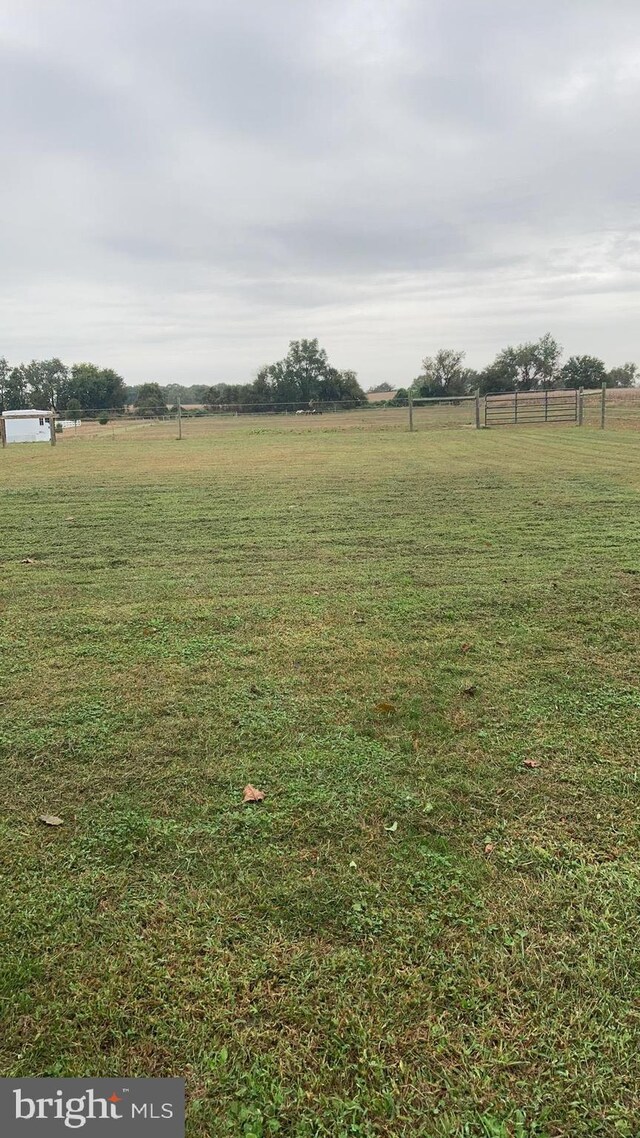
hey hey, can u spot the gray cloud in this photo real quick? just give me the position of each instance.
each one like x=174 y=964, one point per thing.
x=188 y=185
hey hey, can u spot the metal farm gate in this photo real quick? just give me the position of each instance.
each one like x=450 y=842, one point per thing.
x=533 y=407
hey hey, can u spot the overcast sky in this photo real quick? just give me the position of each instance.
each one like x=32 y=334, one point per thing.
x=186 y=185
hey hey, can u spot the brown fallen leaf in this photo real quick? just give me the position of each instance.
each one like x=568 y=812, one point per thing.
x=50 y=819
x=385 y=708
x=252 y=795
x=489 y=848
x=531 y=763
x=471 y=690
x=28 y=561
x=465 y=647
x=416 y=744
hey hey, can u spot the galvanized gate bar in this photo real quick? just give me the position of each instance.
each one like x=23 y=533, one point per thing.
x=530 y=407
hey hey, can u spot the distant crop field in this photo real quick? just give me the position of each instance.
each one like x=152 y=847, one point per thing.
x=423 y=649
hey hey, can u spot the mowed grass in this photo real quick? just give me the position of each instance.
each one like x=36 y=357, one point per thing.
x=416 y=934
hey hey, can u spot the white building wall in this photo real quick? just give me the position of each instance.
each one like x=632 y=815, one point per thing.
x=27 y=430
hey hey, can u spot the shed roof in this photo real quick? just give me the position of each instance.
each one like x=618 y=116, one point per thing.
x=27 y=413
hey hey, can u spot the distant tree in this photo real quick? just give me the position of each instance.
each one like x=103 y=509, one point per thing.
x=583 y=371
x=345 y=386
x=48 y=382
x=225 y=395
x=73 y=409
x=5 y=371
x=400 y=399
x=150 y=401
x=178 y=393
x=443 y=375
x=305 y=376
x=197 y=392
x=380 y=387
x=16 y=396
x=526 y=367
x=95 y=388
x=624 y=376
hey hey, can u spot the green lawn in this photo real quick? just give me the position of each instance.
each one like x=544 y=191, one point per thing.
x=416 y=934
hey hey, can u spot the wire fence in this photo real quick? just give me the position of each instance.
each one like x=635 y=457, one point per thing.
x=615 y=409
x=621 y=409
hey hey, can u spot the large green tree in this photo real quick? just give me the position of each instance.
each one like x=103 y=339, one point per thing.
x=230 y=395
x=5 y=372
x=624 y=376
x=526 y=367
x=306 y=376
x=16 y=394
x=583 y=371
x=95 y=388
x=444 y=375
x=48 y=383
x=150 y=401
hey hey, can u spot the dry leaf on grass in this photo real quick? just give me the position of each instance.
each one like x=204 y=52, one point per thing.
x=385 y=708
x=28 y=561
x=252 y=795
x=489 y=848
x=465 y=647
x=392 y=828
x=471 y=690
x=50 y=819
x=531 y=763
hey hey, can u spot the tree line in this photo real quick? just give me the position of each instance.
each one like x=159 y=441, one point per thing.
x=51 y=385
x=303 y=378
x=80 y=389
x=533 y=366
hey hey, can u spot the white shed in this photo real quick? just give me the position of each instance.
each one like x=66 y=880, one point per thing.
x=27 y=426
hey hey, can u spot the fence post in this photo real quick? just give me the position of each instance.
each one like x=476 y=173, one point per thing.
x=410 y=411
x=52 y=428
x=603 y=404
x=179 y=419
x=3 y=432
x=477 y=408
x=580 y=411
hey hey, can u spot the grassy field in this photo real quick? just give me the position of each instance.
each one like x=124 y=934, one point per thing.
x=423 y=649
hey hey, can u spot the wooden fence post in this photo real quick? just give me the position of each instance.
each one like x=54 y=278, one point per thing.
x=603 y=404
x=3 y=432
x=179 y=419
x=410 y=411
x=580 y=406
x=477 y=408
x=52 y=428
